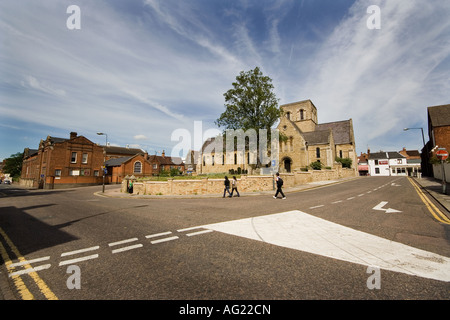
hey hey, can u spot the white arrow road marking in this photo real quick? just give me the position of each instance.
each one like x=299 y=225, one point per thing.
x=301 y=231
x=381 y=205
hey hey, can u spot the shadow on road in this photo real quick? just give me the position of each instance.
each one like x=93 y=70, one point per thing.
x=28 y=233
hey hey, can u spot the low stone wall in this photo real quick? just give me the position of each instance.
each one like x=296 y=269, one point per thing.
x=245 y=183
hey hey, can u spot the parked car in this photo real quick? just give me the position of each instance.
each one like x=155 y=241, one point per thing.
x=7 y=182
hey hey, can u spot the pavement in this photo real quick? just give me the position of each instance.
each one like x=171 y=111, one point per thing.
x=115 y=192
x=434 y=188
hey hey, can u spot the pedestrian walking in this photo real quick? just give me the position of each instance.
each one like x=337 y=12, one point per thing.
x=279 y=186
x=234 y=185
x=227 y=187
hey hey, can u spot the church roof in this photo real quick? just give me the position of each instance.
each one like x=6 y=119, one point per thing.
x=341 y=130
x=317 y=137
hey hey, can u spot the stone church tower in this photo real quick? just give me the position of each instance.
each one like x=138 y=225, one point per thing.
x=309 y=141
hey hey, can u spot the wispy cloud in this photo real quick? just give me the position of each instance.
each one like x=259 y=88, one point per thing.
x=381 y=78
x=32 y=82
x=144 y=68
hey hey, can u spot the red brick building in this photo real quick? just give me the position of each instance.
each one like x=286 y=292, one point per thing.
x=438 y=133
x=60 y=162
x=141 y=165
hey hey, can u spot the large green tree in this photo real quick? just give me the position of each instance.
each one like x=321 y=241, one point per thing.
x=250 y=104
x=13 y=165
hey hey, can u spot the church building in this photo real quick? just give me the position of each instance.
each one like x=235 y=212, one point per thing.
x=308 y=141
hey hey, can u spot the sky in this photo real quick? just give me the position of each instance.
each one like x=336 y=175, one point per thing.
x=139 y=70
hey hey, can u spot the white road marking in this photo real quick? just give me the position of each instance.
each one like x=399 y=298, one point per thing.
x=381 y=205
x=351 y=198
x=188 y=229
x=164 y=240
x=315 y=207
x=122 y=242
x=64 y=254
x=18 y=264
x=135 y=246
x=361 y=195
x=72 y=261
x=28 y=270
x=158 y=234
x=301 y=231
x=199 y=232
x=339 y=201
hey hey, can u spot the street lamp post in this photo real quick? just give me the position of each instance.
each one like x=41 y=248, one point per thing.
x=104 y=158
x=423 y=138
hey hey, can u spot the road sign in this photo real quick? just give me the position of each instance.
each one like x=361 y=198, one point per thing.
x=442 y=154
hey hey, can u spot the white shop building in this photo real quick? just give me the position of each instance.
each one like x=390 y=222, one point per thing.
x=390 y=164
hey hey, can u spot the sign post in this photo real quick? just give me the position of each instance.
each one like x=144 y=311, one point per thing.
x=442 y=155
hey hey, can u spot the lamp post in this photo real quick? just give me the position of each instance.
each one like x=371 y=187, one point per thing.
x=423 y=138
x=104 y=158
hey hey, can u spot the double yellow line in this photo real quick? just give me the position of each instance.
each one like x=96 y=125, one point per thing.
x=24 y=293
x=437 y=214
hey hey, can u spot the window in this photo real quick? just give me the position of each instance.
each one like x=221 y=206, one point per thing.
x=137 y=167
x=74 y=172
x=377 y=170
x=96 y=173
x=73 y=159
x=85 y=158
x=317 y=152
x=288 y=115
x=155 y=166
x=57 y=173
x=302 y=114
x=340 y=153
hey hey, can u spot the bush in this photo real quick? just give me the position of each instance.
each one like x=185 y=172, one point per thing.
x=316 y=165
x=346 y=162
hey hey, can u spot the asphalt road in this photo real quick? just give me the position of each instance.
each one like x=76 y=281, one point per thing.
x=86 y=247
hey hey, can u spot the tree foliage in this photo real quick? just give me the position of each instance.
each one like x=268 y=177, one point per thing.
x=251 y=103
x=13 y=165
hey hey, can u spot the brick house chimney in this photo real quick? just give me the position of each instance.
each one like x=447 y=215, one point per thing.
x=73 y=135
x=163 y=153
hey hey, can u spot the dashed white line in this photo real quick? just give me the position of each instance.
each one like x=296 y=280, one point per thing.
x=18 y=264
x=122 y=242
x=164 y=240
x=339 y=201
x=135 y=246
x=72 y=261
x=315 y=207
x=198 y=232
x=158 y=234
x=188 y=229
x=79 y=251
x=361 y=195
x=351 y=198
x=28 y=270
